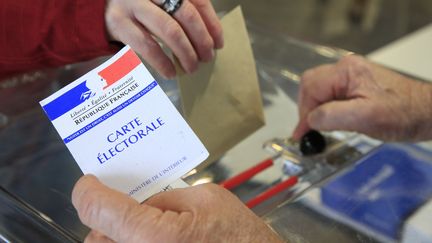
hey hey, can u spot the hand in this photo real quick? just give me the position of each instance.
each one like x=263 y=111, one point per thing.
x=192 y=33
x=205 y=213
x=356 y=95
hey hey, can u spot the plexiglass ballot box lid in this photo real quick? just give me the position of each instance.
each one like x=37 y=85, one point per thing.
x=37 y=173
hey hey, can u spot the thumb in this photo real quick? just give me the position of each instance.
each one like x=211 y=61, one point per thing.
x=110 y=212
x=301 y=128
x=349 y=115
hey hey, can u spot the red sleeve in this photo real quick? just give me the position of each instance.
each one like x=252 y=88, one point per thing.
x=48 y=33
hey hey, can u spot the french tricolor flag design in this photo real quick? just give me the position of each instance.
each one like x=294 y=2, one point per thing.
x=84 y=90
x=122 y=66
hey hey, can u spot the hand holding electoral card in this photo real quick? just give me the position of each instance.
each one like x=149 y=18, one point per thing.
x=204 y=213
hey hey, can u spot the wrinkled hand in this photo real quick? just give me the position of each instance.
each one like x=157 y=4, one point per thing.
x=356 y=95
x=205 y=213
x=192 y=33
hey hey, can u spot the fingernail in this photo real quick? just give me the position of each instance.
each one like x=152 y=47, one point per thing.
x=211 y=56
x=168 y=71
x=220 y=43
x=192 y=68
x=171 y=73
x=296 y=135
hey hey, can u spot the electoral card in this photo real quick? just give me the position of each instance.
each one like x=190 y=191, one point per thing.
x=120 y=126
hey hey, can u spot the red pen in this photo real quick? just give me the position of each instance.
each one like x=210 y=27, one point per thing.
x=247 y=174
x=272 y=191
x=251 y=172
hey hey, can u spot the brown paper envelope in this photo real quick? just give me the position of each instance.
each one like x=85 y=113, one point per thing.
x=222 y=101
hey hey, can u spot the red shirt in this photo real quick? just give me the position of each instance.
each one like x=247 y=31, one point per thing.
x=36 y=34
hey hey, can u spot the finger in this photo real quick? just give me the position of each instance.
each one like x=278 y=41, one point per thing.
x=349 y=115
x=110 y=212
x=301 y=128
x=318 y=85
x=193 y=25
x=143 y=43
x=96 y=237
x=211 y=21
x=169 y=31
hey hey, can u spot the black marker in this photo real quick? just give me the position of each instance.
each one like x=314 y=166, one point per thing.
x=312 y=143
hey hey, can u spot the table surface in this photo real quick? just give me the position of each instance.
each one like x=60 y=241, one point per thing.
x=410 y=54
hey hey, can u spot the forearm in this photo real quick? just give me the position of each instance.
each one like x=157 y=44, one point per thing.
x=45 y=33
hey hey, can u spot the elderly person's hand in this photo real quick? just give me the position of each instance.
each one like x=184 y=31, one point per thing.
x=356 y=95
x=192 y=32
x=205 y=213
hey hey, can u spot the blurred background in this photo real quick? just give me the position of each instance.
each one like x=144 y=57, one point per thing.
x=361 y=26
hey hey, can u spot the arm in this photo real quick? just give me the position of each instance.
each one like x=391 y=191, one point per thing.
x=357 y=95
x=44 y=33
